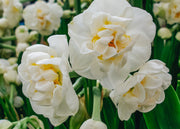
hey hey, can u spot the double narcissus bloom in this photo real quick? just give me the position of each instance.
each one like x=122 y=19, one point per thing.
x=12 y=11
x=173 y=12
x=44 y=72
x=143 y=90
x=43 y=17
x=110 y=34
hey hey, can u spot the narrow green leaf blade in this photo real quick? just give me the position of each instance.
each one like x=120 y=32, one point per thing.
x=165 y=115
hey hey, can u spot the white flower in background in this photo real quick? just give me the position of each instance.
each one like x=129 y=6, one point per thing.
x=11 y=76
x=5 y=124
x=9 y=71
x=173 y=12
x=22 y=33
x=12 y=60
x=12 y=11
x=4 y=64
x=43 y=17
x=110 y=32
x=21 y=47
x=143 y=90
x=44 y=72
x=92 y=124
x=159 y=9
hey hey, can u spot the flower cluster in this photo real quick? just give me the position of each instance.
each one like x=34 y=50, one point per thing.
x=167 y=11
x=109 y=42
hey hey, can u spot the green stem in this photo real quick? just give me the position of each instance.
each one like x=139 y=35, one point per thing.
x=23 y=1
x=78 y=84
x=90 y=97
x=86 y=95
x=8 y=46
x=7 y=38
x=66 y=4
x=11 y=93
x=96 y=104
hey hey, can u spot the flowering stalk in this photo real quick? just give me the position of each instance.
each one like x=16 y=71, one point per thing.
x=8 y=46
x=12 y=93
x=78 y=84
x=96 y=104
x=8 y=38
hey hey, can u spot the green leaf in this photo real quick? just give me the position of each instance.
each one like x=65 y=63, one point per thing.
x=165 y=115
x=2 y=85
x=129 y=124
x=110 y=116
x=178 y=88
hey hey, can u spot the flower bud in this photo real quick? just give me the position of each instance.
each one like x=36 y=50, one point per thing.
x=164 y=33
x=33 y=36
x=177 y=36
x=18 y=102
x=21 y=47
x=10 y=76
x=5 y=124
x=92 y=124
x=66 y=14
x=22 y=33
x=3 y=23
x=12 y=60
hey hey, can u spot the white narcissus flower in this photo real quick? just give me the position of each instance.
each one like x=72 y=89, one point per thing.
x=43 y=17
x=4 y=64
x=22 y=33
x=10 y=76
x=143 y=90
x=173 y=12
x=110 y=32
x=92 y=124
x=44 y=72
x=12 y=11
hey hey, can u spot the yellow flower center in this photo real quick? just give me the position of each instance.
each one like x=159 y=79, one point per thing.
x=45 y=67
x=119 y=42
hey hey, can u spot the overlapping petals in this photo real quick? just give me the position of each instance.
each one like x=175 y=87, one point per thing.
x=143 y=90
x=12 y=12
x=44 y=72
x=109 y=34
x=43 y=17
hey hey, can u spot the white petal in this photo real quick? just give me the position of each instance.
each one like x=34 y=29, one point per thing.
x=60 y=44
x=125 y=110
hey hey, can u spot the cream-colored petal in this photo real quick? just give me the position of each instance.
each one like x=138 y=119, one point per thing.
x=60 y=44
x=125 y=110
